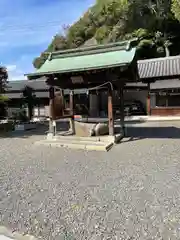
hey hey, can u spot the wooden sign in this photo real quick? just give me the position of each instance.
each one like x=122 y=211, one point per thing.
x=162 y=93
x=77 y=79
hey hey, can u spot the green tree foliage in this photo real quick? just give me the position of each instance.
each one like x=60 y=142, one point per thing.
x=176 y=8
x=3 y=79
x=3 y=85
x=152 y=21
x=3 y=99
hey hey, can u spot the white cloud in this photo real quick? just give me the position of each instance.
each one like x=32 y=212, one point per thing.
x=11 y=68
x=15 y=73
x=18 y=77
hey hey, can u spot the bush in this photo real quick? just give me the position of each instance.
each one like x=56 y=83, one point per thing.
x=20 y=116
x=6 y=127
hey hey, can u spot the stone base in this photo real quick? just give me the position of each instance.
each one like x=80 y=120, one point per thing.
x=101 y=129
x=118 y=138
x=90 y=129
x=74 y=142
x=50 y=136
x=83 y=129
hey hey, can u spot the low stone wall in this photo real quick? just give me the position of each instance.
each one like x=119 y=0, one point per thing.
x=25 y=126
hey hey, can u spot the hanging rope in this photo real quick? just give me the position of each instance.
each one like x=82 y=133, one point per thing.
x=95 y=88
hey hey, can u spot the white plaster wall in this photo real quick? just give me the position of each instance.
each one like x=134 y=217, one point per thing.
x=40 y=111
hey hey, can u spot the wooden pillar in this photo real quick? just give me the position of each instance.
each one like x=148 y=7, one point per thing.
x=110 y=113
x=63 y=102
x=51 y=110
x=122 y=124
x=71 y=105
x=148 y=101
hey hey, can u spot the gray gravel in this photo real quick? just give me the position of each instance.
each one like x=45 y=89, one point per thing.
x=131 y=192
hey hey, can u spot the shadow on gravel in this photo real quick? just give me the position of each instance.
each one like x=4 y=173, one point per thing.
x=133 y=133
x=41 y=130
x=138 y=133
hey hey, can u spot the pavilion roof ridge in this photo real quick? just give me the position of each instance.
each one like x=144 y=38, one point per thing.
x=80 y=51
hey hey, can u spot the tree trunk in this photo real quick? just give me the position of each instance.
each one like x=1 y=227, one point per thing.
x=167 y=51
x=30 y=111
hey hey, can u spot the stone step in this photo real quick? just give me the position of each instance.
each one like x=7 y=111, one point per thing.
x=77 y=144
x=89 y=139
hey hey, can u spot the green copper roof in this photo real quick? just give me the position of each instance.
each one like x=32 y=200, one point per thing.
x=88 y=58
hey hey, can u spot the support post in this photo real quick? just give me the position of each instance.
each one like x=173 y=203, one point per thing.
x=71 y=104
x=110 y=113
x=148 y=101
x=121 y=95
x=52 y=125
x=63 y=102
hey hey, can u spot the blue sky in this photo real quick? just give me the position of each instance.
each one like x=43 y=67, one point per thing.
x=28 y=26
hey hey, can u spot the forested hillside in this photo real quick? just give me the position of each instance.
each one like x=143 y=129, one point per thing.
x=154 y=22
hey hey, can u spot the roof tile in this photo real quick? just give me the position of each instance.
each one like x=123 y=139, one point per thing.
x=159 y=67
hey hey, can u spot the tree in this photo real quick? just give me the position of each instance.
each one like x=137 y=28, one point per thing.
x=29 y=99
x=59 y=42
x=39 y=61
x=116 y=20
x=176 y=8
x=3 y=106
x=3 y=85
x=3 y=79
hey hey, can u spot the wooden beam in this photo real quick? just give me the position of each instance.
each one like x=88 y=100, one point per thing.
x=110 y=113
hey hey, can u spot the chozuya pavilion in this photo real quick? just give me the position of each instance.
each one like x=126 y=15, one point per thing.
x=103 y=67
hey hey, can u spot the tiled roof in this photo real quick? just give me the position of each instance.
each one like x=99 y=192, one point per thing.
x=87 y=58
x=159 y=68
x=38 y=84
x=15 y=88
x=166 y=69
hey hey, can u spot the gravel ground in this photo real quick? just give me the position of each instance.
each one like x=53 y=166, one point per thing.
x=131 y=192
